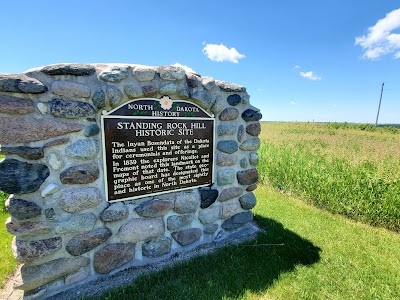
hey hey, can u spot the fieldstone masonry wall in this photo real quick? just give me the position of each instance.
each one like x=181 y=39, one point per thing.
x=65 y=232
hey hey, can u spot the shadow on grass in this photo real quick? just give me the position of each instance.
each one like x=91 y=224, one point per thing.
x=230 y=271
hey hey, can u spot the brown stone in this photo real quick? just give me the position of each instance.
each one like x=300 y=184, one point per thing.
x=22 y=209
x=154 y=208
x=112 y=256
x=187 y=236
x=15 y=106
x=26 y=129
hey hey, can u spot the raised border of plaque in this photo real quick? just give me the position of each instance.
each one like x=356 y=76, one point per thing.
x=153 y=146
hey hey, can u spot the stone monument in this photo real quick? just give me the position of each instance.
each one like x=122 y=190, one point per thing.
x=111 y=166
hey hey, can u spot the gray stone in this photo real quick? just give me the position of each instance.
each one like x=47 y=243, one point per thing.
x=230 y=193
x=38 y=275
x=85 y=242
x=248 y=176
x=226 y=129
x=234 y=99
x=183 y=93
x=133 y=91
x=156 y=248
x=112 y=256
x=114 y=96
x=69 y=69
x=250 y=115
x=193 y=80
x=250 y=144
x=30 y=228
x=186 y=203
x=27 y=251
x=82 y=149
x=136 y=230
x=218 y=105
x=18 y=177
x=243 y=163
x=208 y=197
x=55 y=161
x=178 y=221
x=237 y=221
x=229 y=146
x=243 y=217
x=22 y=209
x=81 y=223
x=20 y=83
x=171 y=73
x=70 y=109
x=91 y=130
x=225 y=160
x=70 y=89
x=229 y=87
x=77 y=277
x=168 y=89
x=187 y=236
x=50 y=189
x=229 y=114
x=209 y=215
x=15 y=106
x=142 y=73
x=49 y=213
x=210 y=229
x=24 y=152
x=153 y=208
x=251 y=187
x=114 y=74
x=208 y=83
x=99 y=99
x=248 y=201
x=228 y=210
x=26 y=130
x=240 y=134
x=254 y=129
x=81 y=174
x=74 y=200
x=115 y=212
x=149 y=90
x=225 y=177
x=203 y=99
x=253 y=158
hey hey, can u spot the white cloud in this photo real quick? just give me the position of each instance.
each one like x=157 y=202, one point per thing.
x=310 y=75
x=380 y=39
x=186 y=68
x=296 y=67
x=222 y=53
x=292 y=102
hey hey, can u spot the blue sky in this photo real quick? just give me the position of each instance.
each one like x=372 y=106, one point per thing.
x=299 y=60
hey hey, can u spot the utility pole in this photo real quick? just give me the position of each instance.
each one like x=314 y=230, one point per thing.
x=379 y=107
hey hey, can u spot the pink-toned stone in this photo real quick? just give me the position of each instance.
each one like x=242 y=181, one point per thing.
x=14 y=105
x=26 y=129
x=70 y=89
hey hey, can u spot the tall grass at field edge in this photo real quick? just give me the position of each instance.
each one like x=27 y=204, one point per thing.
x=354 y=191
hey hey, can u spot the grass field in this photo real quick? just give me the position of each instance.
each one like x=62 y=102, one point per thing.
x=306 y=251
x=7 y=261
x=347 y=169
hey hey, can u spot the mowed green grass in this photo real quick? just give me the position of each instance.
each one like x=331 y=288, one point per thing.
x=347 y=169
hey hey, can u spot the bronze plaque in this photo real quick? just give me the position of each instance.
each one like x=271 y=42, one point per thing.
x=154 y=146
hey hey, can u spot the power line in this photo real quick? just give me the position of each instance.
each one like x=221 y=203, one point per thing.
x=379 y=107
